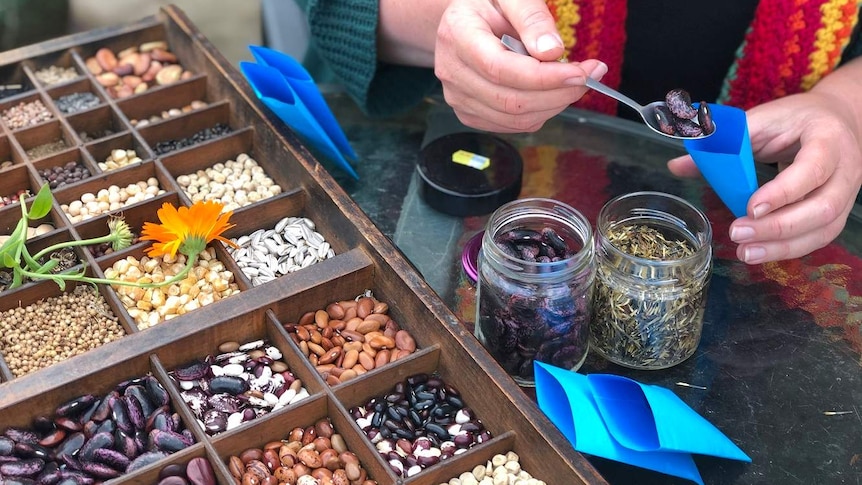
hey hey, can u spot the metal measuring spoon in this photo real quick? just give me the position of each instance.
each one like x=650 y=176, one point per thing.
x=650 y=113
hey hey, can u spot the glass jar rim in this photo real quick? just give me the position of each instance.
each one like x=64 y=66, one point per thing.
x=704 y=242
x=550 y=208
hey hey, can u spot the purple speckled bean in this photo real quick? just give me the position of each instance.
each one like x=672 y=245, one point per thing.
x=679 y=103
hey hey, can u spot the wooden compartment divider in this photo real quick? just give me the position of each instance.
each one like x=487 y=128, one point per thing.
x=365 y=260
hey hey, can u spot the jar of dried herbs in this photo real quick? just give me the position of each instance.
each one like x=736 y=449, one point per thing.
x=536 y=270
x=654 y=263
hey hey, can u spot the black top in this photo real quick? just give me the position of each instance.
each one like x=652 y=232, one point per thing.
x=658 y=60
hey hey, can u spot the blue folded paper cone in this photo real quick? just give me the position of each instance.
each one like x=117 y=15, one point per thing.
x=652 y=418
x=620 y=419
x=566 y=399
x=305 y=87
x=725 y=158
x=275 y=92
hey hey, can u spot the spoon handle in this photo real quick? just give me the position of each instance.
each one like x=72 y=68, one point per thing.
x=608 y=91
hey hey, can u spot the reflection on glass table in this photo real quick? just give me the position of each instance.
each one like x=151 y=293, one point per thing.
x=779 y=366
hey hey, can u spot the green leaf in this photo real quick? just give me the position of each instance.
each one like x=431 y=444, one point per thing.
x=12 y=243
x=42 y=203
x=8 y=260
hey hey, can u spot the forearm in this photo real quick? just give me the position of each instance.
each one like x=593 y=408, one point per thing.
x=844 y=86
x=406 y=37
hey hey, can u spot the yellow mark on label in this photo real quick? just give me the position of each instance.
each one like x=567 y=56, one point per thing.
x=471 y=159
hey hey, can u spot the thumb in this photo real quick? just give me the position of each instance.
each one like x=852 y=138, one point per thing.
x=535 y=26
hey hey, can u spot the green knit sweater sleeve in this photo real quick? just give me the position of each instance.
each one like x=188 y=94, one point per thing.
x=344 y=41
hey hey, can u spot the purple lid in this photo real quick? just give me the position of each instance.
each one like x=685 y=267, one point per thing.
x=470 y=256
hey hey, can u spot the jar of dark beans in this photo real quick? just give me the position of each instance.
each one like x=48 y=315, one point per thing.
x=536 y=272
x=654 y=262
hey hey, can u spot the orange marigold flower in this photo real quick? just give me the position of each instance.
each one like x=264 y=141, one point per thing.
x=187 y=229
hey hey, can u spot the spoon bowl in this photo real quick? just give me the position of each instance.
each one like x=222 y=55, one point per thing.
x=649 y=113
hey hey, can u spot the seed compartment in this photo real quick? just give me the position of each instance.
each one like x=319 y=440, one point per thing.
x=96 y=124
x=76 y=97
x=25 y=111
x=65 y=168
x=315 y=424
x=59 y=324
x=45 y=140
x=168 y=102
x=118 y=151
x=105 y=410
x=16 y=183
x=9 y=155
x=135 y=217
x=237 y=372
x=197 y=127
x=54 y=69
x=13 y=81
x=208 y=282
x=103 y=195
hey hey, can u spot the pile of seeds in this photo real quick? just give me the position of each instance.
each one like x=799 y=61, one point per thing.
x=72 y=103
x=198 y=471
x=239 y=384
x=94 y=438
x=499 y=470
x=87 y=137
x=350 y=338
x=55 y=329
x=208 y=282
x=421 y=422
x=55 y=75
x=196 y=104
x=46 y=149
x=119 y=158
x=61 y=175
x=6 y=164
x=234 y=183
x=113 y=198
x=31 y=232
x=292 y=245
x=206 y=134
x=135 y=69
x=26 y=114
x=308 y=456
x=13 y=199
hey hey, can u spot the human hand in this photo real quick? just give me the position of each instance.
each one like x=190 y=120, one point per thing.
x=812 y=139
x=492 y=89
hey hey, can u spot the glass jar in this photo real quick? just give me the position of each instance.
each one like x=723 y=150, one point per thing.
x=536 y=272
x=654 y=263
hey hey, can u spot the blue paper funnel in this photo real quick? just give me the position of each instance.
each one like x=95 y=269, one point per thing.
x=274 y=91
x=725 y=159
x=305 y=87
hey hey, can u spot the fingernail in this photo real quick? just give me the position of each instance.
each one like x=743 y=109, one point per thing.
x=549 y=42
x=761 y=209
x=741 y=233
x=599 y=71
x=754 y=254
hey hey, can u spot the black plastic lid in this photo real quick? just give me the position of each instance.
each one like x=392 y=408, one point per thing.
x=462 y=190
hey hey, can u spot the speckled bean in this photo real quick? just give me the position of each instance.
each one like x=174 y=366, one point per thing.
x=349 y=338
